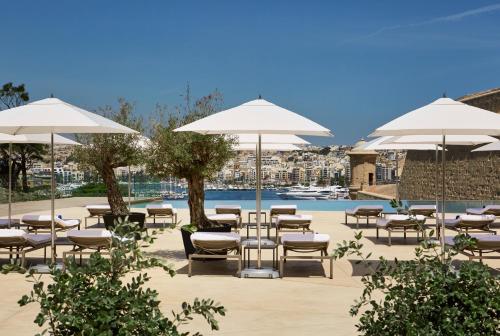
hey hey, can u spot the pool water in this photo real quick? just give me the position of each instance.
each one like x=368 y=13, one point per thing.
x=320 y=205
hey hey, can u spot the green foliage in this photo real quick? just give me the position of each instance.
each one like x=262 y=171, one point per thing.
x=395 y=204
x=103 y=150
x=188 y=154
x=95 y=190
x=23 y=155
x=106 y=296
x=426 y=295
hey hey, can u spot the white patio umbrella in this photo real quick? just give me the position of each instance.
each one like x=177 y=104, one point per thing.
x=258 y=117
x=443 y=117
x=52 y=115
x=28 y=139
x=266 y=147
x=495 y=146
x=270 y=139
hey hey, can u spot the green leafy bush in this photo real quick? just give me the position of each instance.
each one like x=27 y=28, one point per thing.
x=106 y=296
x=96 y=190
x=426 y=295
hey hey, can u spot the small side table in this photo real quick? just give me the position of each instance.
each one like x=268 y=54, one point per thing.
x=265 y=244
x=254 y=225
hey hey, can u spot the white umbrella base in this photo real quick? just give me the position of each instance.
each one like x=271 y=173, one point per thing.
x=44 y=268
x=260 y=273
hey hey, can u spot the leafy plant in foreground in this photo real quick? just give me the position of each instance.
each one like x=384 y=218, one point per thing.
x=106 y=296
x=426 y=295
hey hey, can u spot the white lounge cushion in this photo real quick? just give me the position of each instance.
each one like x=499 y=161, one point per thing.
x=284 y=207
x=223 y=217
x=294 y=218
x=307 y=237
x=38 y=218
x=99 y=206
x=228 y=206
x=37 y=239
x=67 y=223
x=216 y=236
x=12 y=233
x=405 y=217
x=91 y=233
x=474 y=218
x=159 y=206
x=5 y=222
x=422 y=207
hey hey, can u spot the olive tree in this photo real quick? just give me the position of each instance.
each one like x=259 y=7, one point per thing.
x=189 y=155
x=105 y=152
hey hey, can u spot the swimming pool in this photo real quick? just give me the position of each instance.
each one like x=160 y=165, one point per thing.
x=321 y=205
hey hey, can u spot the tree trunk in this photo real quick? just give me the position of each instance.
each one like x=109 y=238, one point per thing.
x=196 y=193
x=24 y=175
x=115 y=199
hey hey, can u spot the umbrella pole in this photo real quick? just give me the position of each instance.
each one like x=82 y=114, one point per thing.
x=52 y=202
x=443 y=208
x=129 y=192
x=397 y=176
x=258 y=203
x=10 y=184
x=436 y=191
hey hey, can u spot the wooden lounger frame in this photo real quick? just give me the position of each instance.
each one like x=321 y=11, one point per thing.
x=299 y=249
x=365 y=213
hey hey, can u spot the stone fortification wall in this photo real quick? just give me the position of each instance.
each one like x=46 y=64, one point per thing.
x=469 y=176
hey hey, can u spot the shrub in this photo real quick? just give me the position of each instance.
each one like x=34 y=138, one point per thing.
x=426 y=295
x=98 y=299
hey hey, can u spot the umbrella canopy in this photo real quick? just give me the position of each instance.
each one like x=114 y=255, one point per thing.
x=280 y=147
x=256 y=117
x=52 y=115
x=36 y=139
x=495 y=146
x=444 y=116
x=437 y=139
x=270 y=139
x=382 y=144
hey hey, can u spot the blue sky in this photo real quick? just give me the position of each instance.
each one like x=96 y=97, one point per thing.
x=350 y=66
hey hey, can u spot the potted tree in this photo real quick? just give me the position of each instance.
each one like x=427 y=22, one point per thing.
x=191 y=156
x=105 y=152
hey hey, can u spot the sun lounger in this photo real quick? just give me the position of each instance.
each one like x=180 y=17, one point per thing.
x=492 y=209
x=229 y=209
x=43 y=222
x=282 y=209
x=230 y=219
x=424 y=210
x=95 y=239
x=213 y=244
x=364 y=211
x=292 y=223
x=401 y=223
x=485 y=243
x=466 y=223
x=305 y=243
x=162 y=210
x=97 y=211
x=22 y=242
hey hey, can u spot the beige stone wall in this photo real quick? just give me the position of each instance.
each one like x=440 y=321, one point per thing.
x=469 y=176
x=361 y=166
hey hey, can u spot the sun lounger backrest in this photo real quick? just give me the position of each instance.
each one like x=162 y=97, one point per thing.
x=475 y=221
x=492 y=209
x=37 y=221
x=283 y=210
x=98 y=210
x=369 y=210
x=228 y=209
x=12 y=237
x=91 y=238
x=216 y=241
